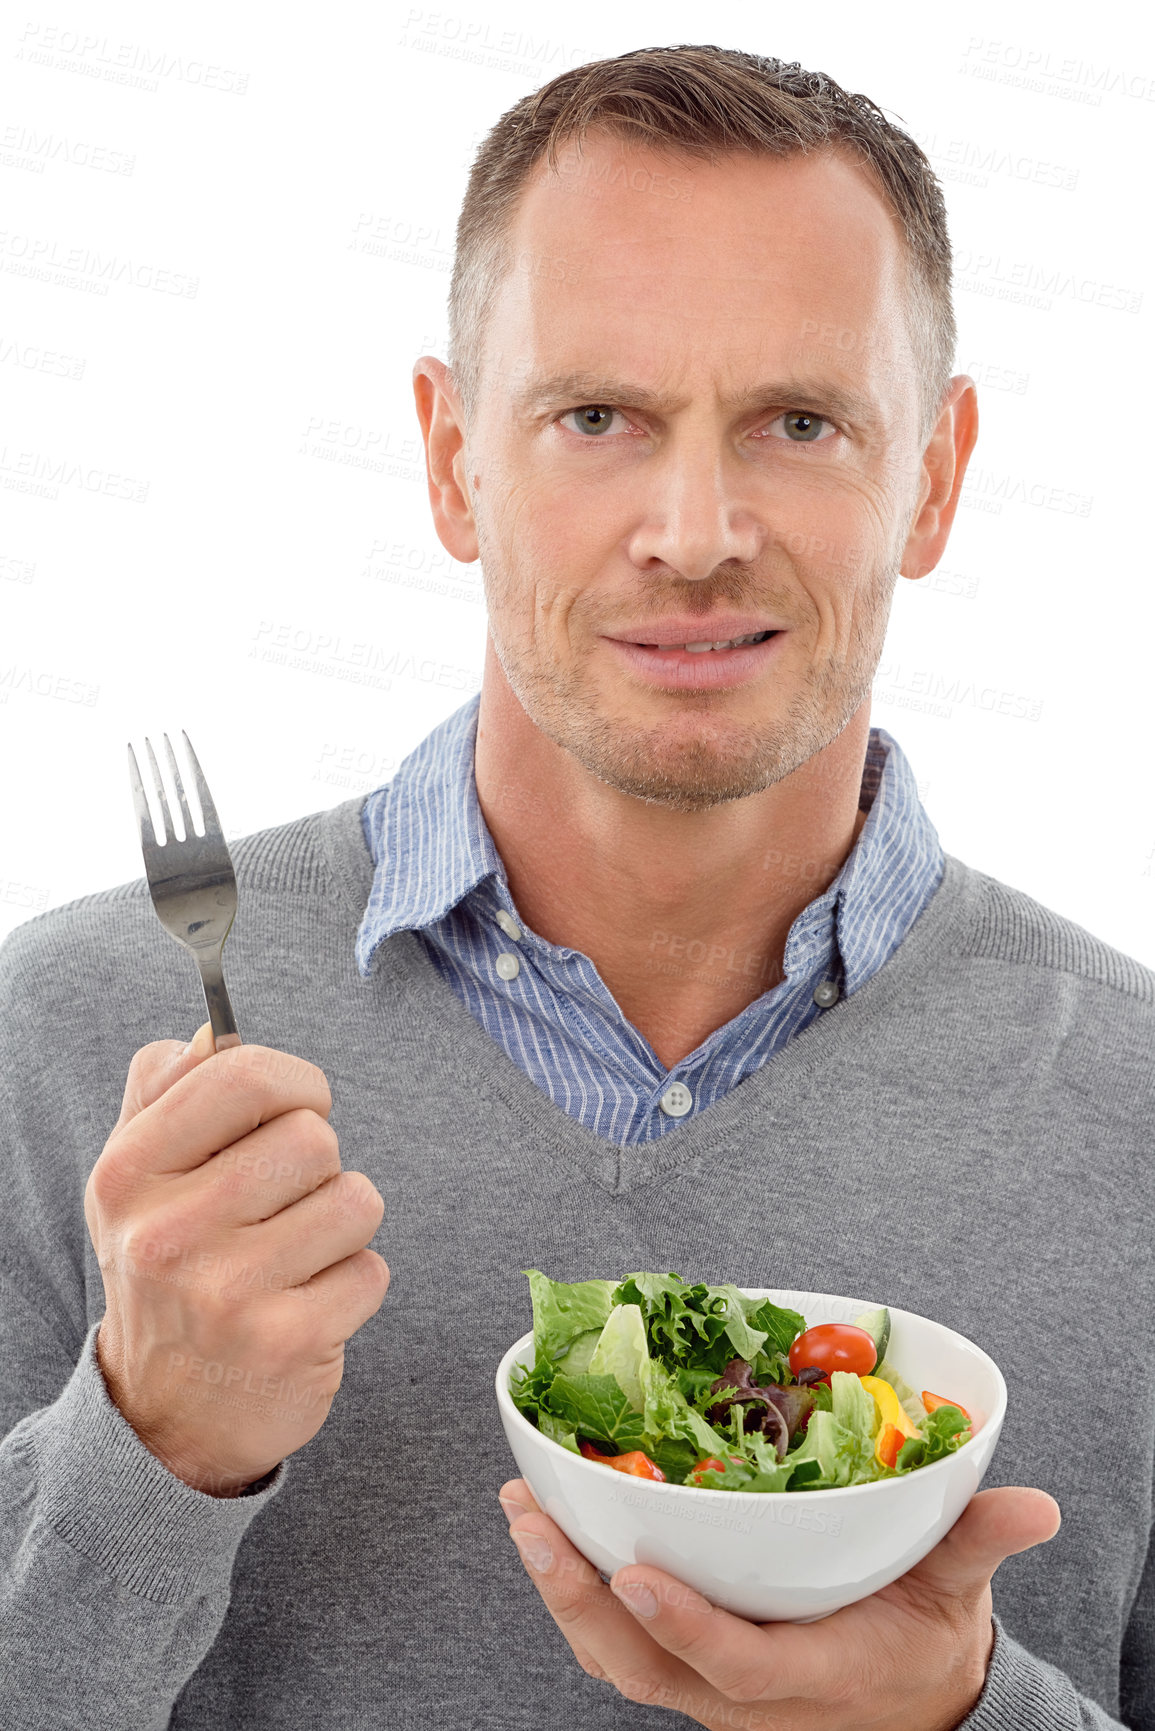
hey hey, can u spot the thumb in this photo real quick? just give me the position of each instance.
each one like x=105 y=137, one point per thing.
x=993 y=1526
x=156 y=1067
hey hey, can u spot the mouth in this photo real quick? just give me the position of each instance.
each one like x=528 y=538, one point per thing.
x=700 y=665
x=707 y=648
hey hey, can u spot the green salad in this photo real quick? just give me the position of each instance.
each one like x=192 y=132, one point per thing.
x=699 y=1385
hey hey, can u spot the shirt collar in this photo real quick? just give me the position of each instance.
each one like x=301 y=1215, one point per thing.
x=431 y=847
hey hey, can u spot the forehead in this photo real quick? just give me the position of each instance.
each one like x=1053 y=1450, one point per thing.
x=628 y=258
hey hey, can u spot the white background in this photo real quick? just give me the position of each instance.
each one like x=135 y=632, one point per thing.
x=224 y=238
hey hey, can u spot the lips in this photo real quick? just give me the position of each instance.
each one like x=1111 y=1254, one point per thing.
x=671 y=667
x=705 y=648
x=712 y=628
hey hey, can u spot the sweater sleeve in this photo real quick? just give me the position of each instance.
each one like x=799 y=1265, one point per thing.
x=1022 y=1693
x=114 y=1574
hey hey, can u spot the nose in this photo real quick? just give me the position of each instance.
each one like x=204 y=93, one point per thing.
x=695 y=517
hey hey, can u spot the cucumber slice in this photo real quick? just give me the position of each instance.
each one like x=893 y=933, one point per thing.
x=877 y=1325
x=907 y=1398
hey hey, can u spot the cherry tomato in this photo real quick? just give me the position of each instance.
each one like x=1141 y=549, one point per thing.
x=638 y=1464
x=834 y=1346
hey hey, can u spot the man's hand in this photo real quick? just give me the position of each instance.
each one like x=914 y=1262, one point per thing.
x=911 y=1657
x=233 y=1252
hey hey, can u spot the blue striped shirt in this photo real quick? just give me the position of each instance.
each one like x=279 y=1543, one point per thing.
x=438 y=873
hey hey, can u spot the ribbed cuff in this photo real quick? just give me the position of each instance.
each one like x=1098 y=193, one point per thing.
x=1022 y=1693
x=101 y=1490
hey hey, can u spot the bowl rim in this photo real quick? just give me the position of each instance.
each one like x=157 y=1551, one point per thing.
x=660 y=1488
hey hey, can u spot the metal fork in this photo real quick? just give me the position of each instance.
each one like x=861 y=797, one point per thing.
x=192 y=882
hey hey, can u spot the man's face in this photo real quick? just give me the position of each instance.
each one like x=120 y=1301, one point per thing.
x=644 y=451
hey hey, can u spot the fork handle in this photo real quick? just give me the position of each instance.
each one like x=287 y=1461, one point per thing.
x=224 y=1023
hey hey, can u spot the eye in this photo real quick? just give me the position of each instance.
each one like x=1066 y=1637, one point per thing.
x=805 y=425
x=592 y=418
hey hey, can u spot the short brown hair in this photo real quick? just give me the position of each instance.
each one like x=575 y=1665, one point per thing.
x=704 y=101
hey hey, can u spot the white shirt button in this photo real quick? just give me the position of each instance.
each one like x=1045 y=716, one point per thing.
x=677 y=1100
x=508 y=966
x=826 y=994
x=509 y=926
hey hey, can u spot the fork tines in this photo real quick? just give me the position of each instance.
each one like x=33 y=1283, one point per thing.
x=210 y=820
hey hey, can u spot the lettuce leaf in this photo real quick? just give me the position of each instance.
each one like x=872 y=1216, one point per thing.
x=781 y=1327
x=668 y=1413
x=776 y=1410
x=558 y=1431
x=943 y=1432
x=529 y=1387
x=564 y=1309
x=674 y=1456
x=842 y=1440
x=695 y=1385
x=621 y=1352
x=599 y=1408
x=853 y=1406
x=576 y=1357
x=701 y=1326
x=734 y=1476
x=774 y=1475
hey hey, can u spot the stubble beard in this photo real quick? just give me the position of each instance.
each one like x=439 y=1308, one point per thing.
x=686 y=768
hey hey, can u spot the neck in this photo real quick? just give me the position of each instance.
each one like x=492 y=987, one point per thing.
x=685 y=915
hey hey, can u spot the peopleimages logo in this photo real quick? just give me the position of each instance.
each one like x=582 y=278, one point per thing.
x=1025 y=67
x=128 y=63
x=50 y=260
x=25 y=147
x=33 y=359
x=481 y=43
x=792 y=1512
x=973 y=162
x=327 y=653
x=36 y=472
x=1024 y=280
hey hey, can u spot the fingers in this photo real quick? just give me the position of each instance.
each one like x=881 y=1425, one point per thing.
x=266 y=1171
x=331 y=1223
x=741 y=1661
x=209 y=1106
x=517 y=1499
x=153 y=1070
x=520 y=1498
x=342 y=1298
x=606 y=1638
x=994 y=1525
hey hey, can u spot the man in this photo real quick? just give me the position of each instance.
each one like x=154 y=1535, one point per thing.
x=859 y=1066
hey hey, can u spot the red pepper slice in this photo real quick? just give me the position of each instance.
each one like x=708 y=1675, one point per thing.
x=930 y=1401
x=636 y=1463
x=889 y=1444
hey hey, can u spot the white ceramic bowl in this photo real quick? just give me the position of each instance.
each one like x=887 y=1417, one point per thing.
x=776 y=1555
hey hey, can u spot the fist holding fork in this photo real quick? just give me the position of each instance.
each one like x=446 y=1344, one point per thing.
x=233 y=1250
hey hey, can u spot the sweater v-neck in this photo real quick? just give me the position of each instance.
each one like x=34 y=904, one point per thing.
x=405 y=981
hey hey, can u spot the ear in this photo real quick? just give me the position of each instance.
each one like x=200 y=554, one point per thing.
x=443 y=429
x=944 y=466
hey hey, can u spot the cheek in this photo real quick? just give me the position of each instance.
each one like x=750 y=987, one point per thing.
x=523 y=516
x=844 y=543
x=542 y=543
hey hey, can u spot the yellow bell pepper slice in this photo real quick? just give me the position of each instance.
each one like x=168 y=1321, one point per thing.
x=890 y=1412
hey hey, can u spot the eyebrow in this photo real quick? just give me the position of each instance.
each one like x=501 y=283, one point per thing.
x=815 y=396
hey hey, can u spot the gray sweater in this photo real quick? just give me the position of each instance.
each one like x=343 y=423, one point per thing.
x=969 y=1136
